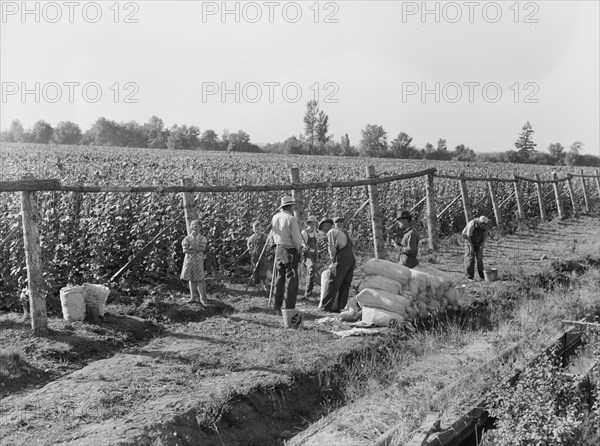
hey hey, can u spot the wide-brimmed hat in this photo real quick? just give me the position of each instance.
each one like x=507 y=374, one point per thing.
x=325 y=220
x=311 y=218
x=483 y=219
x=404 y=215
x=286 y=201
x=339 y=219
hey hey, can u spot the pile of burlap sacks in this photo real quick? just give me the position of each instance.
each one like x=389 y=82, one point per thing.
x=392 y=294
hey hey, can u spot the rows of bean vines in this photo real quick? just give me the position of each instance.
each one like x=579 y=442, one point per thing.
x=88 y=237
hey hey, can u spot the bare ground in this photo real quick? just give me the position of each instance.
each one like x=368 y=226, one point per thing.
x=226 y=375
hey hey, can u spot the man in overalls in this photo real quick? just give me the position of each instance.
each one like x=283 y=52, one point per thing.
x=309 y=239
x=342 y=267
x=409 y=245
x=475 y=235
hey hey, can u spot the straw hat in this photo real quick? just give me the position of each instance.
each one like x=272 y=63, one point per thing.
x=286 y=201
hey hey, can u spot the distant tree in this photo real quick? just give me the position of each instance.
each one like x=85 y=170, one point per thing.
x=104 y=132
x=14 y=133
x=401 y=147
x=293 y=146
x=42 y=132
x=557 y=153
x=183 y=137
x=323 y=128
x=311 y=121
x=573 y=157
x=210 y=140
x=133 y=135
x=542 y=158
x=428 y=150
x=156 y=134
x=576 y=147
x=525 y=145
x=345 y=142
x=224 y=143
x=462 y=153
x=66 y=132
x=513 y=156
x=441 y=145
x=440 y=154
x=374 y=141
x=346 y=149
x=240 y=142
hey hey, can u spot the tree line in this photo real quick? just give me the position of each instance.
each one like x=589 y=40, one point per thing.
x=315 y=140
x=152 y=134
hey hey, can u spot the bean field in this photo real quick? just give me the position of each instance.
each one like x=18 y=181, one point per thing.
x=89 y=237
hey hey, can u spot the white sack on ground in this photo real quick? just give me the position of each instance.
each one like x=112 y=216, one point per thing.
x=381 y=318
x=380 y=283
x=382 y=299
x=385 y=268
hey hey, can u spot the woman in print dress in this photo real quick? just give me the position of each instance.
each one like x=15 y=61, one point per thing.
x=193 y=264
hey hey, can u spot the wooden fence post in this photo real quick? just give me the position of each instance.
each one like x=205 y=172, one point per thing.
x=495 y=204
x=572 y=196
x=585 y=194
x=465 y=198
x=188 y=204
x=432 y=223
x=538 y=188
x=598 y=182
x=297 y=194
x=559 y=206
x=35 y=278
x=519 y=198
x=375 y=216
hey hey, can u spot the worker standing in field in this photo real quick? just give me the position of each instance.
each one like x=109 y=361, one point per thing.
x=288 y=240
x=255 y=244
x=341 y=251
x=475 y=235
x=193 y=263
x=310 y=254
x=409 y=244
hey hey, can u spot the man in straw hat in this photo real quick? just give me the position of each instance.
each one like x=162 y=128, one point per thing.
x=343 y=261
x=409 y=245
x=475 y=235
x=309 y=239
x=288 y=241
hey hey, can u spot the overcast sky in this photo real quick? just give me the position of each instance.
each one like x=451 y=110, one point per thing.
x=468 y=72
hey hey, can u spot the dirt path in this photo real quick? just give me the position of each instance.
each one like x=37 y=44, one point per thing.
x=209 y=382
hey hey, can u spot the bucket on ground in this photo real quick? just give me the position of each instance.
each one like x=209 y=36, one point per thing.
x=460 y=290
x=72 y=301
x=292 y=318
x=490 y=275
x=96 y=295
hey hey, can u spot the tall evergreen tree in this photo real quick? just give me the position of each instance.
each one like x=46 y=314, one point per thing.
x=525 y=145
